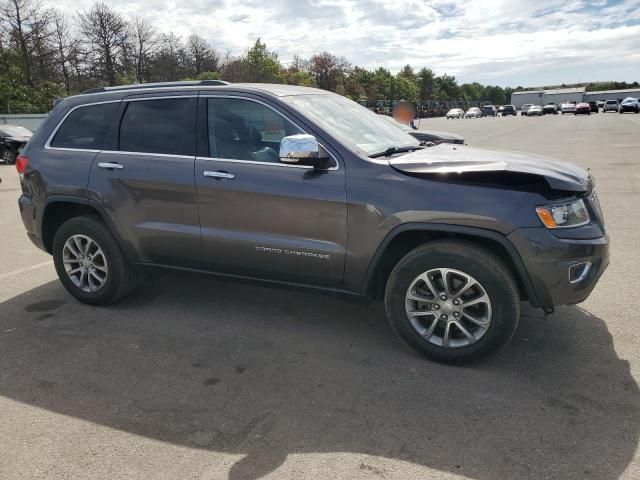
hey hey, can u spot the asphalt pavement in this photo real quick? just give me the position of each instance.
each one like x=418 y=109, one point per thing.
x=194 y=378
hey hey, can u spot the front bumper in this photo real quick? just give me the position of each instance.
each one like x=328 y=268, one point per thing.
x=548 y=259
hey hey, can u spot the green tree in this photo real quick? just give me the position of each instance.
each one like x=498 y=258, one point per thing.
x=262 y=65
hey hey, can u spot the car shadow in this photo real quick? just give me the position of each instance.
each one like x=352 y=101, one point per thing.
x=269 y=372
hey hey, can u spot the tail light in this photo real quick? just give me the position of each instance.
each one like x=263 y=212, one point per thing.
x=21 y=163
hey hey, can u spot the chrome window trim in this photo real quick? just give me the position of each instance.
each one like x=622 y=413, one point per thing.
x=334 y=168
x=149 y=154
x=47 y=145
x=254 y=162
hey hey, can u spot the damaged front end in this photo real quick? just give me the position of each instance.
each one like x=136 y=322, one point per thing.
x=463 y=164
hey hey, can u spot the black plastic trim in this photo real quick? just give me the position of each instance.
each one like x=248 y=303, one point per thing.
x=521 y=269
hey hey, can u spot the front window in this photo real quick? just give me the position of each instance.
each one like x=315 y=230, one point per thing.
x=351 y=123
x=246 y=130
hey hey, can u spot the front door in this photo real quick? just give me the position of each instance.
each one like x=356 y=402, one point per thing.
x=144 y=180
x=259 y=217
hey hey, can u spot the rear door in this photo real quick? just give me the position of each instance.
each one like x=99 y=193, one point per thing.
x=144 y=179
x=259 y=217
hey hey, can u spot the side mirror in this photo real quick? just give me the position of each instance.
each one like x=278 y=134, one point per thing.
x=302 y=149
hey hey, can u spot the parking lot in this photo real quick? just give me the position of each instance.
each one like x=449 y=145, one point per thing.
x=193 y=378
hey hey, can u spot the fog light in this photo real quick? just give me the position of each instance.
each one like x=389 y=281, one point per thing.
x=579 y=271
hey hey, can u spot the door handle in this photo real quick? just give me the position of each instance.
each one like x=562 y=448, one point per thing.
x=219 y=174
x=110 y=165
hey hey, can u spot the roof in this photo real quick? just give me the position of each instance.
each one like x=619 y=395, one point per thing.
x=554 y=91
x=626 y=90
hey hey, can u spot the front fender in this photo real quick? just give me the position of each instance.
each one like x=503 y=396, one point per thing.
x=467 y=232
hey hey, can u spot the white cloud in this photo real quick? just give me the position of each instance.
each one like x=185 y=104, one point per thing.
x=506 y=42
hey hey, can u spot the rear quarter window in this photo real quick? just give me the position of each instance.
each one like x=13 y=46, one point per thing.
x=86 y=127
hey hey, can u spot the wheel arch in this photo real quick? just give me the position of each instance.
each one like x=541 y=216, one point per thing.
x=59 y=209
x=406 y=237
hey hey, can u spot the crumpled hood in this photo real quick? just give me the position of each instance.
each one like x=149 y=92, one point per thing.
x=453 y=159
x=18 y=139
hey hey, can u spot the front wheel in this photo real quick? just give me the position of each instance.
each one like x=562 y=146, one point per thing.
x=89 y=261
x=452 y=301
x=9 y=156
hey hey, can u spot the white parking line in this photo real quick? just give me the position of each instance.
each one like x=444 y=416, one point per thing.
x=25 y=269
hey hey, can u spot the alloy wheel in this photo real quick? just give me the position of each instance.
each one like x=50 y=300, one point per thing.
x=85 y=263
x=448 y=308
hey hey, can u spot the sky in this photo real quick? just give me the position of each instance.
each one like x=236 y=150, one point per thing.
x=500 y=42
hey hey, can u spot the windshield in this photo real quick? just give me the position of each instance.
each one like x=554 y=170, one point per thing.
x=351 y=123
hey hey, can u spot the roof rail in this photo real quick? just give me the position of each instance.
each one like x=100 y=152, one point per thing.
x=135 y=86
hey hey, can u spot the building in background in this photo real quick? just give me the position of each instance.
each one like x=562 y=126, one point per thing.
x=562 y=95
x=542 y=97
x=612 y=94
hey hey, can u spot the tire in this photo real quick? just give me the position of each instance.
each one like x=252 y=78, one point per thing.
x=120 y=278
x=482 y=266
x=9 y=156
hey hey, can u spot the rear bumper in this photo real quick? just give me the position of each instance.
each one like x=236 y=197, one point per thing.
x=28 y=213
x=548 y=260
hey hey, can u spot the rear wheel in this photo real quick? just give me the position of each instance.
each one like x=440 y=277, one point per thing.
x=89 y=262
x=452 y=301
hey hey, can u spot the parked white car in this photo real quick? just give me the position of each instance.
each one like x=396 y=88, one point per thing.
x=455 y=113
x=473 y=112
x=568 y=108
x=610 y=106
x=535 y=110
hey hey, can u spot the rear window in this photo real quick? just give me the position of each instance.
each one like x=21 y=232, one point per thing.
x=159 y=126
x=86 y=127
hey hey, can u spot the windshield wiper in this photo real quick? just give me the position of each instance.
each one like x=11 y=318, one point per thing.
x=393 y=150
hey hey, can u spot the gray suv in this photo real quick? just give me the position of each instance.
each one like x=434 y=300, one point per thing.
x=305 y=188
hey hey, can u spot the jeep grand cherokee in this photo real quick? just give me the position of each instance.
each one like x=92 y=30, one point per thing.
x=303 y=187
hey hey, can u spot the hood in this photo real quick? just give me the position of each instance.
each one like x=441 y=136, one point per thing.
x=449 y=159
x=18 y=139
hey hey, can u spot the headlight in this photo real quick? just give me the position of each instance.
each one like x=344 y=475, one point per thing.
x=565 y=215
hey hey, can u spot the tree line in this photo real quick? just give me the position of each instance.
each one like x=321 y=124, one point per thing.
x=45 y=54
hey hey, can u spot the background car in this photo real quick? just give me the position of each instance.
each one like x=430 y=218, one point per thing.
x=534 y=110
x=629 y=105
x=455 y=113
x=594 y=106
x=568 y=108
x=550 y=108
x=12 y=139
x=525 y=108
x=582 y=108
x=600 y=103
x=489 y=111
x=473 y=112
x=610 y=106
x=509 y=110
